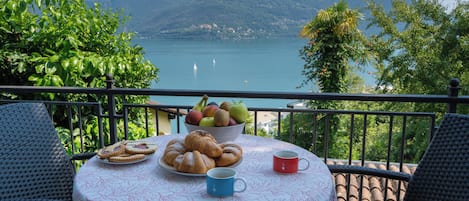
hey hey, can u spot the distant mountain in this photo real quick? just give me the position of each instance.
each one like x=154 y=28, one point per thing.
x=219 y=19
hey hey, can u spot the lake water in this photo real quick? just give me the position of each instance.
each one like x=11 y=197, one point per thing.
x=245 y=65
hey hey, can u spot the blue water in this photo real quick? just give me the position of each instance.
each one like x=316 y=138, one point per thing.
x=248 y=65
x=245 y=65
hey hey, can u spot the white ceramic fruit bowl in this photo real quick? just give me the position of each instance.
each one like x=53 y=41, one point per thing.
x=221 y=134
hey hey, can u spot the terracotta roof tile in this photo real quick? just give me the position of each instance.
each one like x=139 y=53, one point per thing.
x=374 y=188
x=366 y=194
x=353 y=187
x=381 y=166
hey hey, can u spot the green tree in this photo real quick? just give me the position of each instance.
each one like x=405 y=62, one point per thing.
x=334 y=41
x=68 y=43
x=420 y=46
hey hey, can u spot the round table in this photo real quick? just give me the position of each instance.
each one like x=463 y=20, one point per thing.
x=147 y=180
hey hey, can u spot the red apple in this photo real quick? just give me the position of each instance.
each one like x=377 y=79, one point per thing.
x=210 y=110
x=232 y=122
x=194 y=117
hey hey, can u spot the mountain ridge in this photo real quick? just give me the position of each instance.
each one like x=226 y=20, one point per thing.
x=218 y=19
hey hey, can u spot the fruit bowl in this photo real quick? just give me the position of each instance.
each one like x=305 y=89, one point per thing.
x=221 y=134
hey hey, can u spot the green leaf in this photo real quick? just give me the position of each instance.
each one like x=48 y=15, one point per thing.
x=54 y=58
x=50 y=68
x=65 y=64
x=22 y=7
x=74 y=61
x=34 y=78
x=38 y=3
x=21 y=67
x=56 y=81
x=40 y=68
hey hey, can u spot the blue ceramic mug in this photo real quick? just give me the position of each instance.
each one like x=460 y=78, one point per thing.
x=221 y=180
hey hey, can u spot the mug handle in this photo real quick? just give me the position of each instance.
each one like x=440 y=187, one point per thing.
x=307 y=164
x=244 y=182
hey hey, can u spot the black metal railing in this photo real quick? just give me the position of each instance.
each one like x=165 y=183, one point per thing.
x=109 y=111
x=316 y=134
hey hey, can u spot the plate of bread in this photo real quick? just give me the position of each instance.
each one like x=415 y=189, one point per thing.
x=197 y=153
x=126 y=152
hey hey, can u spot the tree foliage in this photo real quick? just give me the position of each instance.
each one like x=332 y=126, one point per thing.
x=68 y=43
x=420 y=45
x=65 y=43
x=334 y=41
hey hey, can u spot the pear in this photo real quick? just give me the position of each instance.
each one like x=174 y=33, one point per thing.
x=221 y=117
x=239 y=112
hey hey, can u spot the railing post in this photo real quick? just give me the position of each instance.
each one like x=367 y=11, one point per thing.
x=453 y=93
x=111 y=108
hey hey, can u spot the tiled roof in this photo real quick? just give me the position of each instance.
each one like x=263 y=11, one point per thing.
x=374 y=188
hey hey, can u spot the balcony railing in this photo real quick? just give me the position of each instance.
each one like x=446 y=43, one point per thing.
x=318 y=130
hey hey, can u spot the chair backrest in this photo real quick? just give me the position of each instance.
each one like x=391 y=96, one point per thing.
x=33 y=162
x=443 y=172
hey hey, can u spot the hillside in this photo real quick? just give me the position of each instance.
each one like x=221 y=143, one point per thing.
x=218 y=19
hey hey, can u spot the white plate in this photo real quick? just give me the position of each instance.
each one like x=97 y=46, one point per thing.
x=106 y=161
x=173 y=170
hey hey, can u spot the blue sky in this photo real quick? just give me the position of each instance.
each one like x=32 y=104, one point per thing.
x=450 y=4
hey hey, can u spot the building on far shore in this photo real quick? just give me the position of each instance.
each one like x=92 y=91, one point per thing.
x=267 y=121
x=297 y=105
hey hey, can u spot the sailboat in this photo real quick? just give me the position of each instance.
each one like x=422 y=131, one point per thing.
x=195 y=70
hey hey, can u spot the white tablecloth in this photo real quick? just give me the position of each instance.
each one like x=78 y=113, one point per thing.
x=96 y=181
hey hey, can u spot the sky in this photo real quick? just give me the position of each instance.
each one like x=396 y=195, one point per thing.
x=450 y=4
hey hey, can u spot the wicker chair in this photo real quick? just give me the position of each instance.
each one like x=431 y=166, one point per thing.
x=443 y=172
x=33 y=162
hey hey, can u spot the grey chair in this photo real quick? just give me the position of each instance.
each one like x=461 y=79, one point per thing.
x=33 y=162
x=442 y=173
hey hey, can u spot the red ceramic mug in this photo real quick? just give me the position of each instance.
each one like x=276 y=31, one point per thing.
x=287 y=162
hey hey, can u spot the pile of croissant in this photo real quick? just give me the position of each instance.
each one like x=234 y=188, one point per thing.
x=199 y=152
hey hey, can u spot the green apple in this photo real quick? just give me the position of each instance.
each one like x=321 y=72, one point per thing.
x=239 y=112
x=207 y=122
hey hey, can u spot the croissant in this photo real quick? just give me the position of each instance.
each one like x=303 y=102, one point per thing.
x=232 y=153
x=174 y=148
x=193 y=162
x=203 y=142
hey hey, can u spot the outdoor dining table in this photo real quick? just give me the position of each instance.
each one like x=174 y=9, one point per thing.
x=147 y=180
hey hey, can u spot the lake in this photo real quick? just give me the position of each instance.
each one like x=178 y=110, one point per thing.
x=244 y=65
